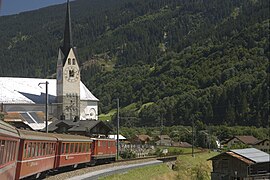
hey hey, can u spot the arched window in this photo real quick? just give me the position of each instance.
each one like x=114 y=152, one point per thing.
x=69 y=61
x=73 y=61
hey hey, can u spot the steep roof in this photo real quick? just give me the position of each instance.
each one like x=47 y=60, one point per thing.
x=253 y=154
x=68 y=42
x=27 y=91
x=143 y=137
x=248 y=155
x=249 y=140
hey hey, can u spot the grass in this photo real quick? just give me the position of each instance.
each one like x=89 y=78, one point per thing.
x=196 y=167
x=186 y=168
x=143 y=173
x=104 y=117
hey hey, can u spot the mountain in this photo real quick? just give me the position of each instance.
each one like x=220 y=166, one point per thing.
x=167 y=60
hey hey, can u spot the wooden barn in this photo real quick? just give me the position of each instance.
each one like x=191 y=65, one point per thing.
x=241 y=164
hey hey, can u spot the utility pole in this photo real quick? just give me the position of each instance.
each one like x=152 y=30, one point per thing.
x=192 y=137
x=46 y=105
x=117 y=156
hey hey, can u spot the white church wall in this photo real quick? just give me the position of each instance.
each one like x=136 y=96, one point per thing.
x=89 y=110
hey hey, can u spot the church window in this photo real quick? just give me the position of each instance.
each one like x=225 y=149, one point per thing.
x=69 y=61
x=71 y=73
x=73 y=61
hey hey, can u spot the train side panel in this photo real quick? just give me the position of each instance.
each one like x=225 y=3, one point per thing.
x=8 y=155
x=73 y=153
x=35 y=157
x=103 y=150
x=72 y=150
x=9 y=146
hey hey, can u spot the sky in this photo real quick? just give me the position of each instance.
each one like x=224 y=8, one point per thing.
x=9 y=7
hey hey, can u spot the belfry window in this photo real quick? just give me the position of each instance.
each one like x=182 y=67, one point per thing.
x=73 y=61
x=71 y=73
x=69 y=61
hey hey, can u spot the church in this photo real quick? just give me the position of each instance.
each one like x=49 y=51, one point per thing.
x=71 y=107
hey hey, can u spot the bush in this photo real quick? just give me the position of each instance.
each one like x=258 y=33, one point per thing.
x=127 y=154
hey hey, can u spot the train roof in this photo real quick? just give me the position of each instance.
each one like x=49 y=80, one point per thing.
x=72 y=138
x=102 y=139
x=34 y=135
x=8 y=129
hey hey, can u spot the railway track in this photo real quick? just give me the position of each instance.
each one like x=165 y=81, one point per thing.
x=66 y=173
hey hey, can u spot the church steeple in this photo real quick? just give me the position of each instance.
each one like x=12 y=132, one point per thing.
x=68 y=43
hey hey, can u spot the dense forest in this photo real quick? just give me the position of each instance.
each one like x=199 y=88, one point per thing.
x=168 y=61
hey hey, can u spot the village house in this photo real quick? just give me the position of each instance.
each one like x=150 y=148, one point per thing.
x=263 y=145
x=241 y=164
x=241 y=140
x=163 y=140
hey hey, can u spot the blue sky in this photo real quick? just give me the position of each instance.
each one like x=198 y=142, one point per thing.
x=16 y=6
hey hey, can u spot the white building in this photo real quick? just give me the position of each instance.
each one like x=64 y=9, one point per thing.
x=23 y=99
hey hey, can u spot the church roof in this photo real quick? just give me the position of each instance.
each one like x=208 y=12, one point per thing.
x=28 y=91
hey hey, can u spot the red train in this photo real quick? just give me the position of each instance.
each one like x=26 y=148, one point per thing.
x=28 y=153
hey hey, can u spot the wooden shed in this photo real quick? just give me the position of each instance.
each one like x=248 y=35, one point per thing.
x=241 y=164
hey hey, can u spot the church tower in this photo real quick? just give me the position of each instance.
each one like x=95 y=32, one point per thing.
x=68 y=76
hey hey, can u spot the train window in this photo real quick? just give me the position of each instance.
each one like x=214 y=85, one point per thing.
x=63 y=148
x=7 y=151
x=29 y=149
x=86 y=147
x=83 y=147
x=25 y=150
x=46 y=149
x=33 y=149
x=71 y=147
x=43 y=149
x=76 y=147
x=53 y=148
x=109 y=144
x=49 y=148
x=12 y=150
x=67 y=147
x=98 y=143
x=36 y=149
x=80 y=147
x=104 y=143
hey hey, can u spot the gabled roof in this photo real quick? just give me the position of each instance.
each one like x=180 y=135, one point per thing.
x=248 y=155
x=76 y=126
x=253 y=154
x=260 y=141
x=27 y=91
x=163 y=137
x=249 y=140
x=143 y=137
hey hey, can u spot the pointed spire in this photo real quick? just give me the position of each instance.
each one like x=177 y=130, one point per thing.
x=68 y=43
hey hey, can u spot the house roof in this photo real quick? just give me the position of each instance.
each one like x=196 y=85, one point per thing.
x=27 y=91
x=77 y=126
x=253 y=154
x=248 y=155
x=260 y=141
x=143 y=137
x=164 y=137
x=249 y=140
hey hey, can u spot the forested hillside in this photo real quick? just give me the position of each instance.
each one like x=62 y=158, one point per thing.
x=169 y=60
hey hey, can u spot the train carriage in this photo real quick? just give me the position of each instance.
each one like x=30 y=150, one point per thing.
x=73 y=150
x=9 y=145
x=103 y=150
x=36 y=154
